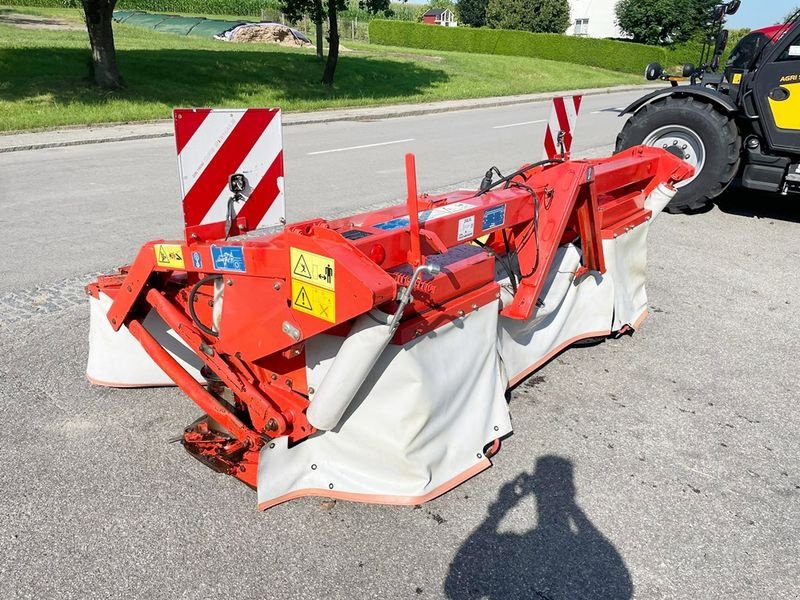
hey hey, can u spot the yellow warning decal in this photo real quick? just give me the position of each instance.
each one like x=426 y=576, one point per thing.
x=169 y=255
x=314 y=300
x=737 y=79
x=313 y=268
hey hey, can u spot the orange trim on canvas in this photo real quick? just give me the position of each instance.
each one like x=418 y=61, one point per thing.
x=484 y=464
x=515 y=380
x=130 y=386
x=642 y=318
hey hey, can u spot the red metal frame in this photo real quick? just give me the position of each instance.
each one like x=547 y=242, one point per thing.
x=259 y=352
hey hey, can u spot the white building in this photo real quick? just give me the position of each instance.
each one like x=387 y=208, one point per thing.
x=593 y=18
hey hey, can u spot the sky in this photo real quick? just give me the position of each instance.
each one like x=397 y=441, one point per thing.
x=760 y=13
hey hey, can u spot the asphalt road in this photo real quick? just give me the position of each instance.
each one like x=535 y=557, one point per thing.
x=663 y=465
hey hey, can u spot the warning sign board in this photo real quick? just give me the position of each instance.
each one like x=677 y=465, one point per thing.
x=314 y=300
x=169 y=255
x=313 y=268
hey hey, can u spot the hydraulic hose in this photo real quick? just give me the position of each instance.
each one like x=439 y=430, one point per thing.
x=192 y=295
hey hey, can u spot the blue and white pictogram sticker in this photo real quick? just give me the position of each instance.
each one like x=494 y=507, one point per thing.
x=397 y=223
x=494 y=217
x=228 y=258
x=425 y=216
x=197 y=260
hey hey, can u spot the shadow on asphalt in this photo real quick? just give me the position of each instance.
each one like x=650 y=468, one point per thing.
x=561 y=556
x=762 y=205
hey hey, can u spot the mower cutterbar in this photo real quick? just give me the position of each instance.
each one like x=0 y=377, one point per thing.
x=366 y=357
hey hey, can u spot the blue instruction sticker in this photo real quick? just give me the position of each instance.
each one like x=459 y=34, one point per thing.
x=494 y=217
x=197 y=260
x=228 y=258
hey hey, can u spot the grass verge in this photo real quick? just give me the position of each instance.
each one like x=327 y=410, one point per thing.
x=44 y=76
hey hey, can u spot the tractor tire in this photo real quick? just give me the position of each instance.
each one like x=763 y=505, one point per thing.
x=698 y=133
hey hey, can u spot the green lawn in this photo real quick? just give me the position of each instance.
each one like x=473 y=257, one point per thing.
x=44 y=76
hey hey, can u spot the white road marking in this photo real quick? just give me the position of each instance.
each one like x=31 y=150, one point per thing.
x=518 y=124
x=359 y=147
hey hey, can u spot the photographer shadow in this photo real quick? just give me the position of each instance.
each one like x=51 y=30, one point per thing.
x=564 y=557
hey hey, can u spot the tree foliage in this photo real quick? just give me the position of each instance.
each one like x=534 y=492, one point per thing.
x=320 y=9
x=537 y=16
x=790 y=14
x=661 y=21
x=472 y=12
x=441 y=4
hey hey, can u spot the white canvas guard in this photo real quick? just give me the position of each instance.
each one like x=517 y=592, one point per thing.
x=416 y=428
x=116 y=359
x=570 y=311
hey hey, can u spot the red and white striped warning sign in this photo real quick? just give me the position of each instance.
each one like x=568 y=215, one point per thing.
x=561 y=126
x=215 y=144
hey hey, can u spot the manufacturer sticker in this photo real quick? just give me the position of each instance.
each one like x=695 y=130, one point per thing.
x=197 y=260
x=169 y=255
x=314 y=300
x=494 y=217
x=313 y=268
x=466 y=228
x=228 y=258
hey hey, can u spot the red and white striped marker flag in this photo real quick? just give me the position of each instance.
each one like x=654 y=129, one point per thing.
x=215 y=144
x=561 y=125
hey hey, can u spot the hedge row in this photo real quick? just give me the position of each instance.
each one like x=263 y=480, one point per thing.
x=244 y=8
x=615 y=55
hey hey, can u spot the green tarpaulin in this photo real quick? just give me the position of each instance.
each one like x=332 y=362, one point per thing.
x=212 y=27
x=121 y=15
x=141 y=19
x=179 y=25
x=195 y=26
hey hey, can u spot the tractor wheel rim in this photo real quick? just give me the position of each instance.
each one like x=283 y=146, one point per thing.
x=682 y=142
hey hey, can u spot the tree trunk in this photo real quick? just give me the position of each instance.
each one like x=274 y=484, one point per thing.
x=333 y=44
x=101 y=38
x=318 y=20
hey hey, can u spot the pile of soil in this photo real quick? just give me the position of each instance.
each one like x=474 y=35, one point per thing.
x=267 y=34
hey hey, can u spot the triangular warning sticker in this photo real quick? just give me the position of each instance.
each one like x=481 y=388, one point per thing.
x=301 y=268
x=302 y=300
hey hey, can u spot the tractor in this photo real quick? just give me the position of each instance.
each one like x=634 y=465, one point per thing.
x=741 y=122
